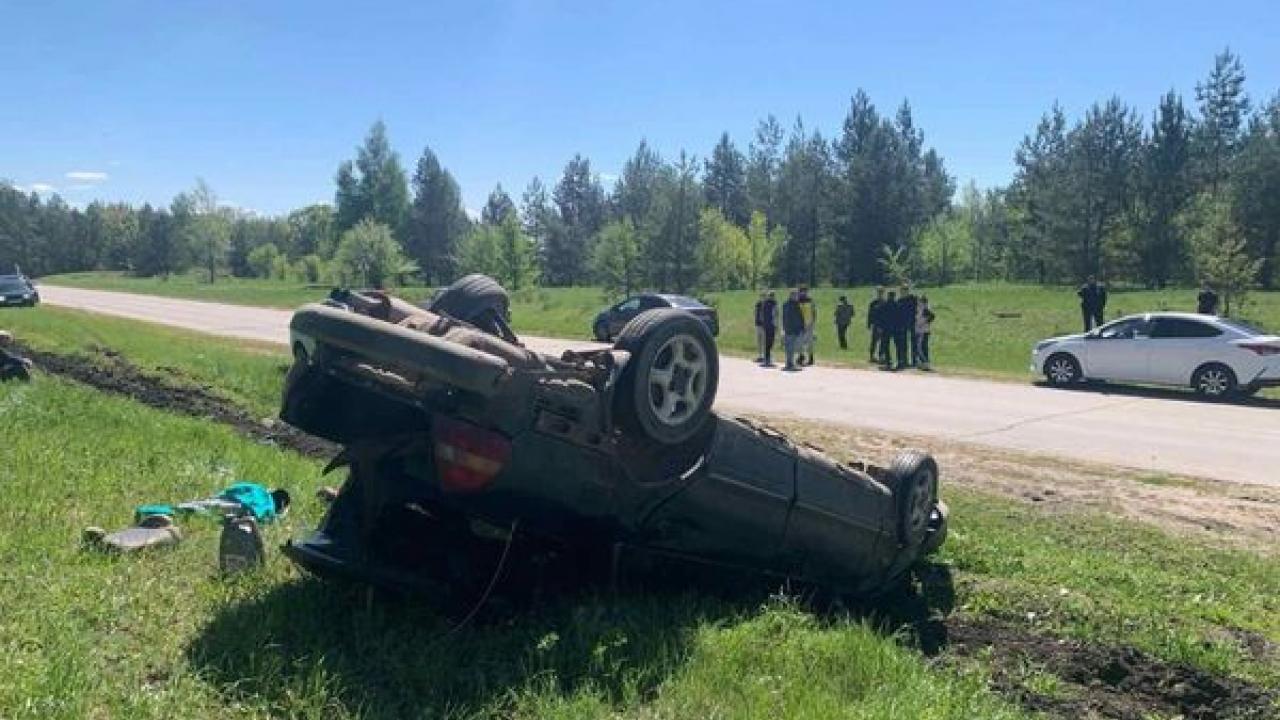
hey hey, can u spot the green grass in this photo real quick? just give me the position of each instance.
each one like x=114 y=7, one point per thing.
x=162 y=636
x=970 y=335
x=246 y=372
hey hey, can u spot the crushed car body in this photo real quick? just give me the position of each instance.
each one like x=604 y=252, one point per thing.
x=459 y=443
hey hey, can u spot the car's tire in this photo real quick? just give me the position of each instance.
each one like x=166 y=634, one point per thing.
x=913 y=479
x=1214 y=380
x=667 y=387
x=470 y=296
x=1062 y=369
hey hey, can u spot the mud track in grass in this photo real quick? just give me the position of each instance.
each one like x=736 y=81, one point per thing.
x=1101 y=681
x=108 y=371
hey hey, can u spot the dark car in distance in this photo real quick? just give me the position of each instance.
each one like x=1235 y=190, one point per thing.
x=611 y=320
x=17 y=291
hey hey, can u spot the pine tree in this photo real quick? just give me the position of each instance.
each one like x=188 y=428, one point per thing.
x=725 y=182
x=763 y=165
x=1165 y=189
x=498 y=207
x=1223 y=109
x=437 y=222
x=581 y=205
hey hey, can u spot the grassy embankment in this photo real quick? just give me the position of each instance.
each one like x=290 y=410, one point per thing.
x=985 y=329
x=162 y=635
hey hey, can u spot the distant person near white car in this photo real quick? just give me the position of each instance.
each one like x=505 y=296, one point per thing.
x=1216 y=357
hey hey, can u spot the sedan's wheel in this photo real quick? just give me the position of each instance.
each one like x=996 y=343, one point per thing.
x=670 y=381
x=1214 y=381
x=1062 y=369
x=914 y=482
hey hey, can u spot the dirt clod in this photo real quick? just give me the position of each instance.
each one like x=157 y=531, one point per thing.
x=108 y=371
x=1104 y=681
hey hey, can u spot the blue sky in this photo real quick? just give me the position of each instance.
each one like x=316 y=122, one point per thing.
x=134 y=100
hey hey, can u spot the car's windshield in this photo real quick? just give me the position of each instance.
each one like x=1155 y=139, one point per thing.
x=1244 y=327
x=1126 y=328
x=8 y=285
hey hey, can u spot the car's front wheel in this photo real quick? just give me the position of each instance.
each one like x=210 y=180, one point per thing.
x=670 y=382
x=1062 y=369
x=914 y=483
x=1214 y=380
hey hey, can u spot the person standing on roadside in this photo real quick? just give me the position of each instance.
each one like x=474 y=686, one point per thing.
x=888 y=328
x=875 y=324
x=759 y=310
x=844 y=316
x=1207 y=300
x=910 y=306
x=792 y=329
x=769 y=318
x=924 y=327
x=809 y=310
x=904 y=328
x=1093 y=303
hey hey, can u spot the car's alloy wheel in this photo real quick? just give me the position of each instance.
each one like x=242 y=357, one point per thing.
x=913 y=480
x=677 y=380
x=1215 y=381
x=669 y=382
x=1062 y=370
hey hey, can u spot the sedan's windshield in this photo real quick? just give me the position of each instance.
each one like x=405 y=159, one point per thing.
x=10 y=287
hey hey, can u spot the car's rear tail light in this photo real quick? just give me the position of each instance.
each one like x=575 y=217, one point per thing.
x=1262 y=348
x=468 y=458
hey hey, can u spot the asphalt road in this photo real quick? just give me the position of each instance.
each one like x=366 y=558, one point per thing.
x=1159 y=432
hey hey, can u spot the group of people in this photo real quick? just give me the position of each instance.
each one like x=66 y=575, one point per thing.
x=904 y=321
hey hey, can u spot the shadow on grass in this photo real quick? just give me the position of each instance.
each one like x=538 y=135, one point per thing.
x=313 y=647
x=1160 y=393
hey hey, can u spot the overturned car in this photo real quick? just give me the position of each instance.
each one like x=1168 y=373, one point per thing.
x=470 y=455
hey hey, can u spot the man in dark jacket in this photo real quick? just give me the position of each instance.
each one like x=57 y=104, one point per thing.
x=1207 y=300
x=792 y=329
x=888 y=328
x=909 y=305
x=1093 y=303
x=875 y=324
x=768 y=318
x=844 y=316
x=904 y=320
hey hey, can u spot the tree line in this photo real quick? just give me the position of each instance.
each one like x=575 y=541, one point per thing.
x=1193 y=193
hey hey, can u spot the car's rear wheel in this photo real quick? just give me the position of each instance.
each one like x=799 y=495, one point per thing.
x=913 y=478
x=1214 y=380
x=670 y=382
x=471 y=296
x=1062 y=369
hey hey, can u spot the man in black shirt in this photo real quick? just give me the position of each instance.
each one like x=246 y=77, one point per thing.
x=792 y=329
x=875 y=324
x=1093 y=303
x=908 y=307
x=768 y=319
x=1207 y=300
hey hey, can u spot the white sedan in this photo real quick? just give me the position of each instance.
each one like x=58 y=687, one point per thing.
x=1217 y=357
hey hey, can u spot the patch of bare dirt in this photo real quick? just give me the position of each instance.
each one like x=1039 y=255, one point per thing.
x=1102 y=681
x=108 y=371
x=1242 y=516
